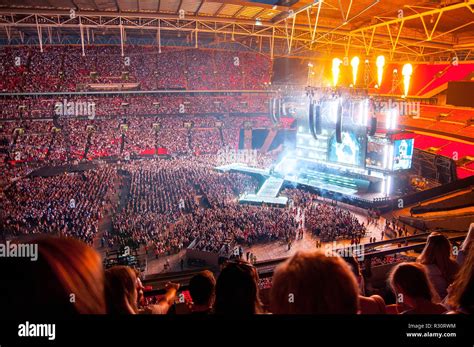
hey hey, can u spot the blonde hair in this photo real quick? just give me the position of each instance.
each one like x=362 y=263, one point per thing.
x=469 y=239
x=438 y=252
x=461 y=295
x=311 y=282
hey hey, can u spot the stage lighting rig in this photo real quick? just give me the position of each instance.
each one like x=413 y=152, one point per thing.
x=310 y=91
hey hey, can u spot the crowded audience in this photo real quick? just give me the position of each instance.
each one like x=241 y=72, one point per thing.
x=309 y=282
x=329 y=223
x=42 y=141
x=69 y=204
x=140 y=173
x=64 y=68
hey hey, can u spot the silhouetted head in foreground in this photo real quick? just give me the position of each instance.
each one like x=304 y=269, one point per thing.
x=237 y=290
x=66 y=278
x=313 y=283
x=121 y=290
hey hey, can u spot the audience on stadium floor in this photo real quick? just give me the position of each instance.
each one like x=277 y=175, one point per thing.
x=198 y=204
x=150 y=212
x=330 y=223
x=336 y=223
x=246 y=224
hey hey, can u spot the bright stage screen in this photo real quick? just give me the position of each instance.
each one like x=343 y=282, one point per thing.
x=375 y=155
x=402 y=154
x=351 y=151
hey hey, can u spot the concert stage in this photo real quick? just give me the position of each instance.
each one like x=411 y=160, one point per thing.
x=341 y=150
x=239 y=167
x=292 y=172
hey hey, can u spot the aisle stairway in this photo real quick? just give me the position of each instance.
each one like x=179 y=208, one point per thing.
x=248 y=139
x=268 y=140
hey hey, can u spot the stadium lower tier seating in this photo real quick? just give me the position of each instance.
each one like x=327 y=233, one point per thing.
x=42 y=140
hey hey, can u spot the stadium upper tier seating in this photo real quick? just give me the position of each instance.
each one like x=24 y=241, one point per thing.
x=63 y=68
x=444 y=130
x=442 y=119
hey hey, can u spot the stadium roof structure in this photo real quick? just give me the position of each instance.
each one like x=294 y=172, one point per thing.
x=424 y=30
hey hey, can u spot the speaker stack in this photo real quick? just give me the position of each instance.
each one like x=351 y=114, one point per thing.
x=311 y=119
x=275 y=110
x=373 y=126
x=339 y=123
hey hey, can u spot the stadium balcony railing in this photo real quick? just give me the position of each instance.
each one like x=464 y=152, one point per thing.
x=155 y=283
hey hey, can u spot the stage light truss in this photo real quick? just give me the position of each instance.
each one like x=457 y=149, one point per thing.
x=283 y=35
x=395 y=29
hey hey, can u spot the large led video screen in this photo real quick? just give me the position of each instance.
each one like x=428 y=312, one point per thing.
x=351 y=150
x=402 y=154
x=375 y=155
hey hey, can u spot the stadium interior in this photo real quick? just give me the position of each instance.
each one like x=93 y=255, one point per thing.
x=216 y=157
